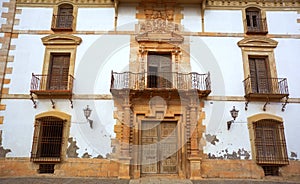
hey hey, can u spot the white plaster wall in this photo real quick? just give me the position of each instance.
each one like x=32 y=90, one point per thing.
x=98 y=58
x=287 y=63
x=218 y=113
x=192 y=19
x=34 y=19
x=126 y=18
x=222 y=57
x=95 y=19
x=28 y=59
x=282 y=22
x=223 y=21
x=19 y=118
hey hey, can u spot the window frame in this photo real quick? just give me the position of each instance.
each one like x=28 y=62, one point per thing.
x=261 y=19
x=251 y=127
x=65 y=134
x=56 y=10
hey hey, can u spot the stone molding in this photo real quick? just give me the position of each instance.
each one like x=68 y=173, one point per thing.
x=61 y=39
x=208 y=3
x=258 y=42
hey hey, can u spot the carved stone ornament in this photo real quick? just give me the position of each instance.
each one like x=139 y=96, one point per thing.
x=159 y=30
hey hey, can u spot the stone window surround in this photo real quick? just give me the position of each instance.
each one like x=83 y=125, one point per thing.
x=60 y=43
x=262 y=14
x=258 y=47
x=75 y=12
x=66 y=130
x=251 y=120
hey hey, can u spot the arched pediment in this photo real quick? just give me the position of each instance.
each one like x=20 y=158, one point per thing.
x=61 y=39
x=261 y=116
x=257 y=42
x=57 y=114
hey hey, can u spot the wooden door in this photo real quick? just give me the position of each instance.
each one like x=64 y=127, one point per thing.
x=65 y=16
x=259 y=73
x=159 y=148
x=159 y=64
x=58 y=72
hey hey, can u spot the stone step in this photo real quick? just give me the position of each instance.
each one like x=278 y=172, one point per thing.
x=160 y=181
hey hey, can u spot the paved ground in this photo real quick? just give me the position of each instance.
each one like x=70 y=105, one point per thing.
x=48 y=180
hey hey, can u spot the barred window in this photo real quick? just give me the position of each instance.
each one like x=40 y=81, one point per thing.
x=270 y=143
x=47 y=140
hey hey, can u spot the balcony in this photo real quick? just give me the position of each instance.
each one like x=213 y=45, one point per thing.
x=266 y=88
x=256 y=26
x=51 y=87
x=160 y=82
x=62 y=22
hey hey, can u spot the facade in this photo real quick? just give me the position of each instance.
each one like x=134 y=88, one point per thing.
x=130 y=89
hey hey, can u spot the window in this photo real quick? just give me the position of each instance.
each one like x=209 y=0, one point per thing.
x=270 y=143
x=48 y=138
x=254 y=21
x=259 y=75
x=58 y=71
x=159 y=70
x=63 y=20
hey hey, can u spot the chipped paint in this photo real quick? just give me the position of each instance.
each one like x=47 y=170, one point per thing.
x=3 y=152
x=86 y=155
x=72 y=149
x=293 y=156
x=241 y=154
x=211 y=139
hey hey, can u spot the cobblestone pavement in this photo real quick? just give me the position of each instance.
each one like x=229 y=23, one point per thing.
x=50 y=180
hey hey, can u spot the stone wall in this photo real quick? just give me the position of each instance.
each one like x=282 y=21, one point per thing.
x=75 y=167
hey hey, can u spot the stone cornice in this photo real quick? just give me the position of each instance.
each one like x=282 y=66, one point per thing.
x=293 y=4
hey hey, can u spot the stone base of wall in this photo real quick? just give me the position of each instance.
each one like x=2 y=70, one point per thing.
x=241 y=169
x=75 y=167
x=103 y=168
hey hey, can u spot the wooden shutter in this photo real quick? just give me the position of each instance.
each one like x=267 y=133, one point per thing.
x=59 y=72
x=259 y=75
x=253 y=20
x=65 y=16
x=165 y=70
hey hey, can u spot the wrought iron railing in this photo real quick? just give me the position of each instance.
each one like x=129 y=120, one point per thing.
x=258 y=26
x=62 y=22
x=269 y=86
x=52 y=82
x=160 y=80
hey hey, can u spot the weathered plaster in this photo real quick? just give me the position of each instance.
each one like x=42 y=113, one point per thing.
x=211 y=139
x=72 y=149
x=241 y=154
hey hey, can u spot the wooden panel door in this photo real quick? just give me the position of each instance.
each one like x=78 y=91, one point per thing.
x=159 y=148
x=149 y=147
x=58 y=72
x=259 y=73
x=168 y=148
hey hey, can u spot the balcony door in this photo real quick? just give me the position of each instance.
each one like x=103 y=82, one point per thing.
x=259 y=73
x=159 y=148
x=58 y=72
x=159 y=70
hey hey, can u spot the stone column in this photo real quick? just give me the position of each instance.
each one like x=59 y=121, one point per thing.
x=194 y=157
x=124 y=170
